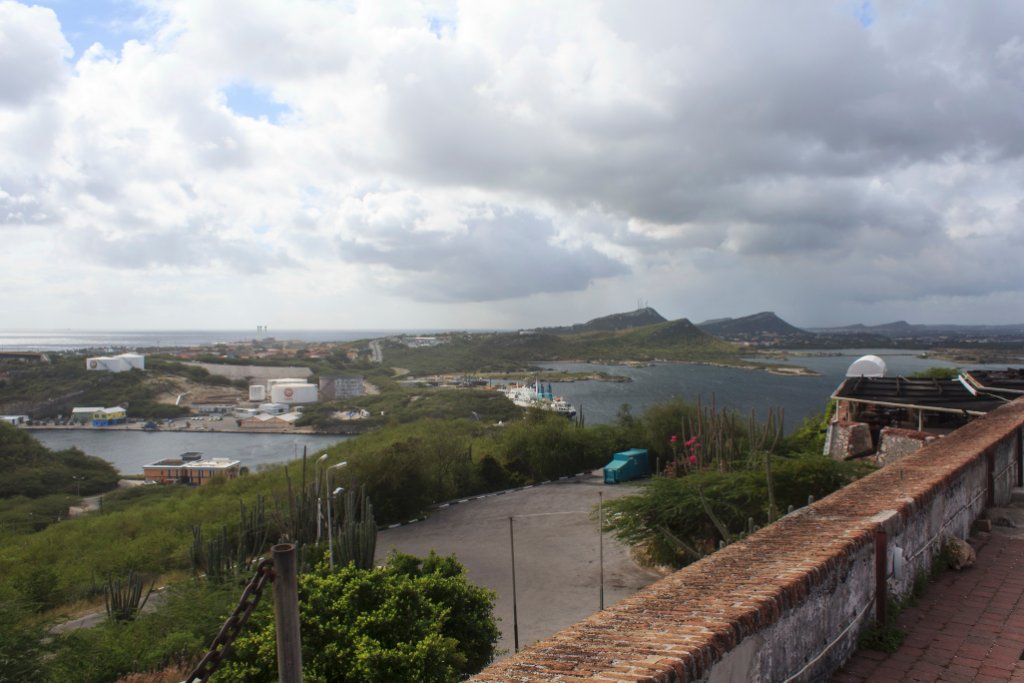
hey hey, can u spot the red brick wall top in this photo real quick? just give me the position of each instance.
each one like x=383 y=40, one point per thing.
x=675 y=629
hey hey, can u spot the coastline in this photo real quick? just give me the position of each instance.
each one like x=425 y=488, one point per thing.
x=210 y=427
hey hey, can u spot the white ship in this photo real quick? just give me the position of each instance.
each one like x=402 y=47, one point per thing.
x=526 y=396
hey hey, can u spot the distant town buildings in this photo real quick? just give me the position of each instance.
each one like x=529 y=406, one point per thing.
x=266 y=421
x=334 y=388
x=190 y=468
x=99 y=417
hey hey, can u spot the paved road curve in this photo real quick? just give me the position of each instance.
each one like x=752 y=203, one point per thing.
x=557 y=551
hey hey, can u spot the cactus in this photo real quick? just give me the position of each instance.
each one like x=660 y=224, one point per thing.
x=355 y=533
x=302 y=521
x=125 y=600
x=253 y=532
x=223 y=558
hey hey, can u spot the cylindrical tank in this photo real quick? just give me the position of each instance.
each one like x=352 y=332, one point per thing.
x=293 y=393
x=257 y=392
x=134 y=360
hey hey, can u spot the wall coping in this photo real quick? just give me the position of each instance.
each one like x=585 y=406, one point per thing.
x=677 y=628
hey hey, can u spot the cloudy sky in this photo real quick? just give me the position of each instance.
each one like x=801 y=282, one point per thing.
x=346 y=164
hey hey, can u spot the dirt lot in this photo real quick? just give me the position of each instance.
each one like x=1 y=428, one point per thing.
x=556 y=550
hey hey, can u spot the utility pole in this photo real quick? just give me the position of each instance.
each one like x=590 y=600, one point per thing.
x=600 y=536
x=515 y=612
x=286 y=614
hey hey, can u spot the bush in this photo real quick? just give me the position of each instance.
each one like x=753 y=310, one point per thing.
x=411 y=620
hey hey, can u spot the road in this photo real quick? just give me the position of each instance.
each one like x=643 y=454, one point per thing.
x=557 y=553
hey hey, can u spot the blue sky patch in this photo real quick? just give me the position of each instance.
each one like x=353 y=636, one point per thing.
x=441 y=25
x=865 y=14
x=248 y=100
x=109 y=22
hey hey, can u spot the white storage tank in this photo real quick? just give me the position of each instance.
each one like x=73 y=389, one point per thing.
x=107 y=364
x=293 y=393
x=134 y=360
x=271 y=383
x=257 y=392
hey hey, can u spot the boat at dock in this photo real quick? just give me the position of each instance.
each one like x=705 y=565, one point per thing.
x=536 y=396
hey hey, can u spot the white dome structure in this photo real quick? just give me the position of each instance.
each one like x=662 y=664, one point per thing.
x=867 y=366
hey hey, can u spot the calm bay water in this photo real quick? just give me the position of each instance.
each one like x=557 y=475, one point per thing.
x=740 y=390
x=129 y=451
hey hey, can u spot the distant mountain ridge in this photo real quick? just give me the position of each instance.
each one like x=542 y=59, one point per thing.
x=641 y=317
x=766 y=323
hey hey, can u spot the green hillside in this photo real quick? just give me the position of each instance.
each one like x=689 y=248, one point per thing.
x=677 y=340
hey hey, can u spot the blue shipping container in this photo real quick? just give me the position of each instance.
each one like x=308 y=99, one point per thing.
x=627 y=465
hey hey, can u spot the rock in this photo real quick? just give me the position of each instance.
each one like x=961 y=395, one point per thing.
x=959 y=554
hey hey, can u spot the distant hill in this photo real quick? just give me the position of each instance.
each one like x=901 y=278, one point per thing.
x=641 y=317
x=765 y=324
x=678 y=340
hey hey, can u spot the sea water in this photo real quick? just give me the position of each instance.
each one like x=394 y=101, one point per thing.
x=130 y=450
x=793 y=397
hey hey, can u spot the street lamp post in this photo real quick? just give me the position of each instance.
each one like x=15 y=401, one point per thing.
x=319 y=500
x=330 y=504
x=78 y=484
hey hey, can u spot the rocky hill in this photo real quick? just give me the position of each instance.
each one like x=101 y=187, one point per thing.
x=758 y=325
x=641 y=317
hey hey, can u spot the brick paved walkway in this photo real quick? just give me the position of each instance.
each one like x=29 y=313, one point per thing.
x=969 y=625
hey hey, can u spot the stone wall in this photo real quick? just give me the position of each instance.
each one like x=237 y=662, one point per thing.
x=788 y=602
x=895 y=443
x=848 y=440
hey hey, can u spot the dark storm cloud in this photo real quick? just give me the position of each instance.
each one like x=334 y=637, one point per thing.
x=510 y=255
x=811 y=97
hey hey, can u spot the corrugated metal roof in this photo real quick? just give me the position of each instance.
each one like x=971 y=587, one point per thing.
x=1009 y=382
x=929 y=394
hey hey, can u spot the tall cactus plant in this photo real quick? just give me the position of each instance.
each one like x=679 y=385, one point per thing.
x=224 y=557
x=355 y=532
x=124 y=600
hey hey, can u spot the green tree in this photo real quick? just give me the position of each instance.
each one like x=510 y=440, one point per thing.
x=937 y=373
x=670 y=522
x=411 y=620
x=21 y=644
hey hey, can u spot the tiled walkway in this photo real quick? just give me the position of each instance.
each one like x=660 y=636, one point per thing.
x=969 y=625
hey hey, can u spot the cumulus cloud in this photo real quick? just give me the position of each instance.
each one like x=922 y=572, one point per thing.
x=826 y=159
x=32 y=53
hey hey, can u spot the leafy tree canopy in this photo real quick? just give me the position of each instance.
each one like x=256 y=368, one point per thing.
x=412 y=619
x=32 y=470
